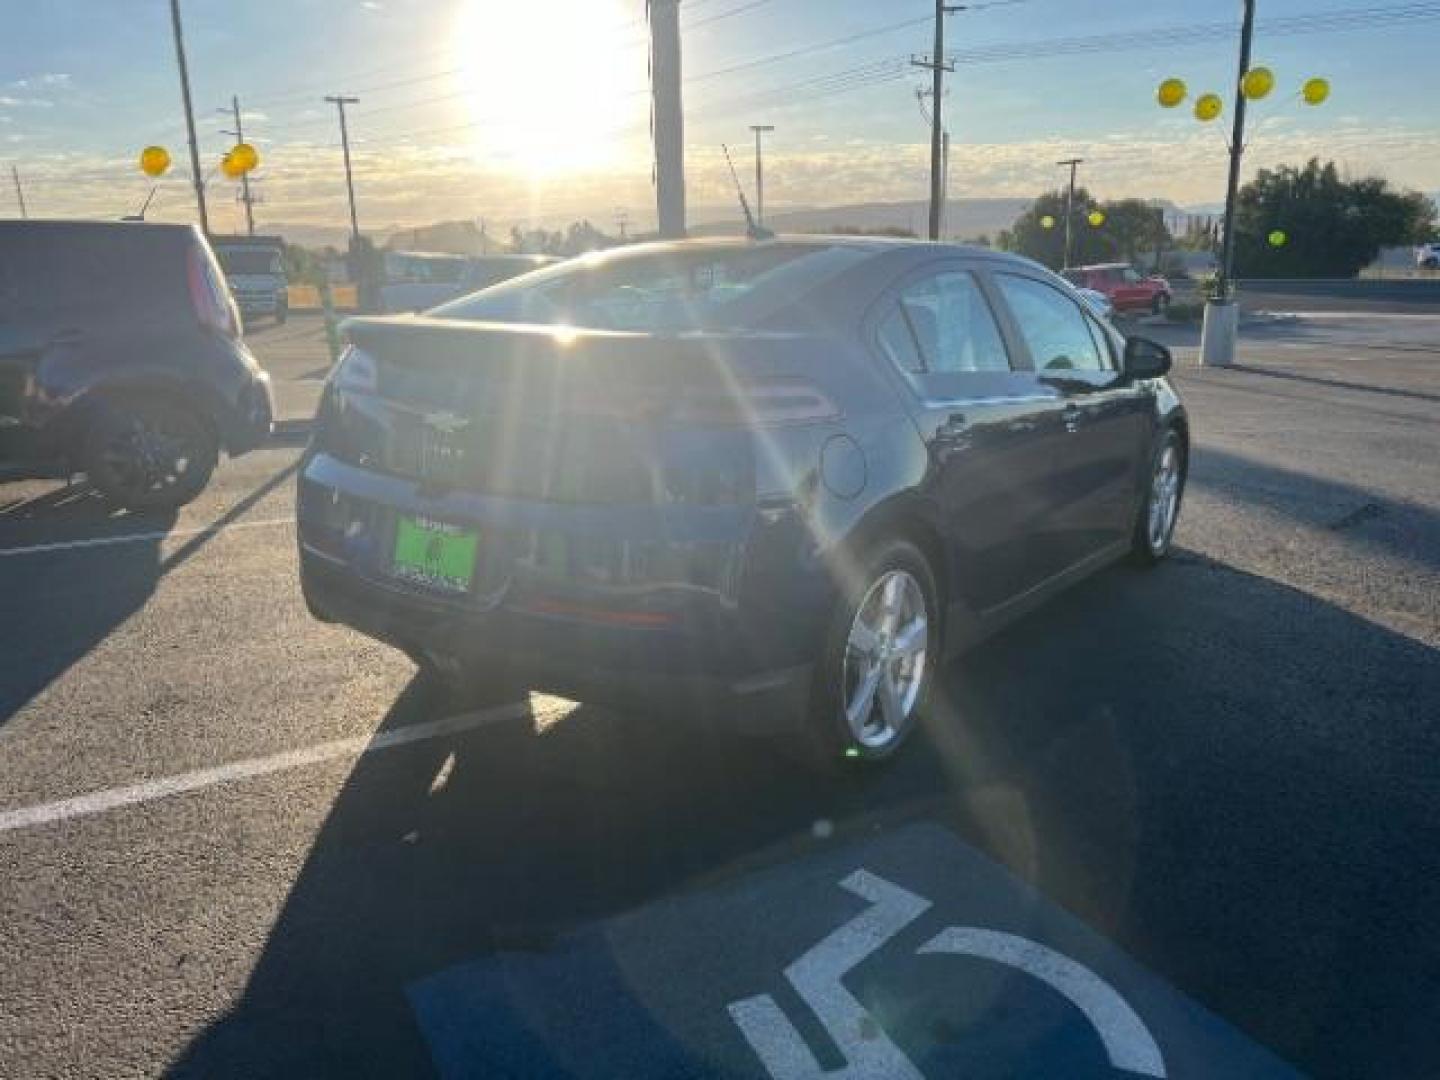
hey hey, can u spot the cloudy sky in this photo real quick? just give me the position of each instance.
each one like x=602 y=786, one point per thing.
x=523 y=110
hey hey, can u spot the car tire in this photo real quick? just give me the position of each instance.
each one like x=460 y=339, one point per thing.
x=1160 y=510
x=849 y=726
x=148 y=453
x=1161 y=304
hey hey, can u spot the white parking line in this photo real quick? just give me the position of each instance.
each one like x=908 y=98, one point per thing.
x=100 y=802
x=135 y=538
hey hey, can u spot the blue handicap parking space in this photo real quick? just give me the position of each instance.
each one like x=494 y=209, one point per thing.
x=909 y=955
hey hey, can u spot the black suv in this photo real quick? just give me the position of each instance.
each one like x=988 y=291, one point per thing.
x=120 y=357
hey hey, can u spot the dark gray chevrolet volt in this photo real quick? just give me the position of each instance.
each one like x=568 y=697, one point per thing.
x=776 y=480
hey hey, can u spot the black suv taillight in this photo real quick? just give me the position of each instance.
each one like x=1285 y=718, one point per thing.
x=209 y=295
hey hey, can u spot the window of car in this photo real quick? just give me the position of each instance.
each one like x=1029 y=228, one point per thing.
x=1130 y=275
x=1055 y=329
x=942 y=324
x=1103 y=339
x=663 y=290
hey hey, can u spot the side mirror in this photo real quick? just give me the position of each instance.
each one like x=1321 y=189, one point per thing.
x=1146 y=359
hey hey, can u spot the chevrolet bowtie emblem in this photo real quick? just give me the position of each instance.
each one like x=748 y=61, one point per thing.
x=447 y=423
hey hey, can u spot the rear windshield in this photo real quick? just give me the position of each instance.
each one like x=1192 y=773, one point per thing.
x=237 y=261
x=662 y=290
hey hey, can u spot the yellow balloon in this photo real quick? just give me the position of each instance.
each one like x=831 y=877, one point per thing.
x=1257 y=83
x=231 y=168
x=1315 y=91
x=154 y=160
x=245 y=156
x=1047 y=222
x=1208 y=107
x=1171 y=93
x=1096 y=218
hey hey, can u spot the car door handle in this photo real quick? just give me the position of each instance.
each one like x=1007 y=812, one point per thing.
x=1071 y=416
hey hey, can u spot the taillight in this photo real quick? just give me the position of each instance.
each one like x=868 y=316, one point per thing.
x=759 y=401
x=209 y=296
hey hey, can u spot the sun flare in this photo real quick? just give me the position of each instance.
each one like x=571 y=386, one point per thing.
x=551 y=87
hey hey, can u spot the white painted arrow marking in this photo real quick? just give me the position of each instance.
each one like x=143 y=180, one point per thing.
x=1127 y=1041
x=816 y=977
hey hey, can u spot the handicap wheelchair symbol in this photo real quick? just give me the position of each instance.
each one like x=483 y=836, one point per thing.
x=869 y=1052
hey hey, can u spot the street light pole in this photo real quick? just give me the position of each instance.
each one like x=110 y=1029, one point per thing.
x=1237 y=148
x=1221 y=325
x=1070 y=204
x=760 y=129
x=668 y=116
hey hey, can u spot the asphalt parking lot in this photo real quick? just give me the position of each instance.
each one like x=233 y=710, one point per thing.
x=1178 y=823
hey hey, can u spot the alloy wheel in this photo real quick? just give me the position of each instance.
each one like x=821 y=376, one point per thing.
x=885 y=656
x=1164 y=498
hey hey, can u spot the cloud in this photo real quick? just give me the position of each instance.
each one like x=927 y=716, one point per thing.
x=407 y=185
x=8 y=101
x=372 y=5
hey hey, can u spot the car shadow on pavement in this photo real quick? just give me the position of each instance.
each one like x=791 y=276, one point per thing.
x=1402 y=529
x=56 y=606
x=1228 y=777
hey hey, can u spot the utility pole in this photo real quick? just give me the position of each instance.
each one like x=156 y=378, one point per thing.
x=195 y=174
x=239 y=134
x=340 y=101
x=667 y=116
x=19 y=191
x=1070 y=204
x=622 y=222
x=920 y=95
x=938 y=67
x=760 y=129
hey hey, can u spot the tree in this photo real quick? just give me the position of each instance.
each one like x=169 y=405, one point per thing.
x=1028 y=236
x=1332 y=227
x=1135 y=226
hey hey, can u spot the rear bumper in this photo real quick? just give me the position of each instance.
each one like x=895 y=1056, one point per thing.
x=519 y=647
x=711 y=611
x=248 y=422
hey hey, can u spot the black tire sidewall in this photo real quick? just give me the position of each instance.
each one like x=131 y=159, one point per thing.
x=1141 y=549
x=108 y=415
x=832 y=745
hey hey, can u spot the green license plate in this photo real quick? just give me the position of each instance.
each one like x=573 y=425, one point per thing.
x=434 y=554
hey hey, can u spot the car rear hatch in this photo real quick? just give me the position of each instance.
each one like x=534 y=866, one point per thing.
x=588 y=477
x=565 y=416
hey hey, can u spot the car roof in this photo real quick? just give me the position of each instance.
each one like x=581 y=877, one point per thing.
x=871 y=244
x=44 y=225
x=1102 y=266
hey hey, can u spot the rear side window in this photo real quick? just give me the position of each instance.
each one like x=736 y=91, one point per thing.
x=1053 y=326
x=942 y=325
x=74 y=273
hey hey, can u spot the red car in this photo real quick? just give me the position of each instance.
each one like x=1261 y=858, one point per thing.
x=1127 y=288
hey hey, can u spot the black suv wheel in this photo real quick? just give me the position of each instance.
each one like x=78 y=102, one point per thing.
x=148 y=454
